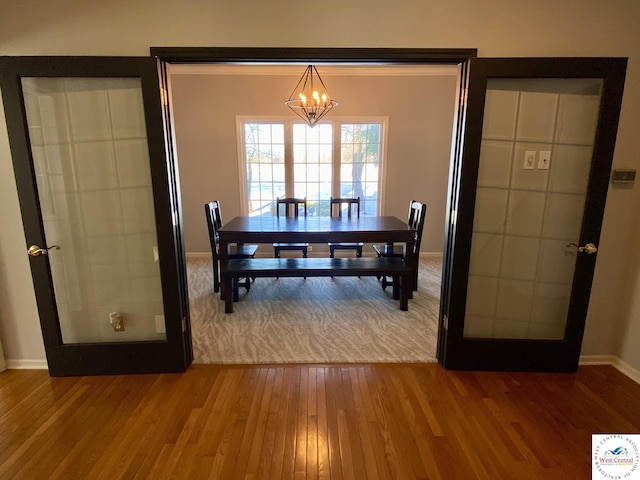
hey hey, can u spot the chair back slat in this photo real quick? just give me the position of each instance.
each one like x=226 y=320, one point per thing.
x=292 y=206
x=417 y=215
x=351 y=204
x=214 y=222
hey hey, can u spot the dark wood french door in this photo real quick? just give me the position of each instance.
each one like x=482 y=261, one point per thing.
x=100 y=207
x=528 y=186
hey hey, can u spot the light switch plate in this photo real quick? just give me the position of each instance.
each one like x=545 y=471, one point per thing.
x=529 y=160
x=620 y=176
x=544 y=159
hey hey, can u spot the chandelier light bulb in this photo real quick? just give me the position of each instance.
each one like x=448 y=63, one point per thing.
x=310 y=86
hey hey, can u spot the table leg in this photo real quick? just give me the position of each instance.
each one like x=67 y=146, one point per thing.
x=388 y=249
x=226 y=282
x=405 y=288
x=228 y=299
x=411 y=260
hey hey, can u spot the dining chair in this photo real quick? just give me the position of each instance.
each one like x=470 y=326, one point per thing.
x=214 y=223
x=336 y=207
x=416 y=219
x=292 y=207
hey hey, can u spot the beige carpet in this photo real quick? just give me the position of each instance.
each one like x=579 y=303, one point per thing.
x=317 y=320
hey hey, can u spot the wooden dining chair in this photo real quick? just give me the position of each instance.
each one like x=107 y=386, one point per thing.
x=214 y=223
x=291 y=207
x=416 y=219
x=352 y=207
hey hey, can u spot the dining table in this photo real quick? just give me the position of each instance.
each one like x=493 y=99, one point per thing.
x=314 y=229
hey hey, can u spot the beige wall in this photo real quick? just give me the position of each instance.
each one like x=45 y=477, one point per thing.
x=419 y=106
x=508 y=28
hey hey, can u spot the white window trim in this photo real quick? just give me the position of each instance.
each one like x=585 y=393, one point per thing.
x=288 y=122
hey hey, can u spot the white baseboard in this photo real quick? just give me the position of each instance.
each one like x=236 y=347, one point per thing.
x=628 y=370
x=597 y=359
x=614 y=361
x=27 y=364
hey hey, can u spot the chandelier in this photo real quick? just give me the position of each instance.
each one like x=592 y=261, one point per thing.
x=310 y=99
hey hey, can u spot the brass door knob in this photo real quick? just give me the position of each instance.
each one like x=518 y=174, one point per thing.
x=589 y=248
x=36 y=251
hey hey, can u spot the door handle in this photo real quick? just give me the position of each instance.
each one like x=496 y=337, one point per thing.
x=589 y=248
x=36 y=251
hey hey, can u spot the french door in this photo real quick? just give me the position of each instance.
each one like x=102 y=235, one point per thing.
x=100 y=207
x=528 y=186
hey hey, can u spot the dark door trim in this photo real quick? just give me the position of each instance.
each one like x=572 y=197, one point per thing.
x=287 y=54
x=387 y=56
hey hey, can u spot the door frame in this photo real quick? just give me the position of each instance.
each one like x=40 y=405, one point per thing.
x=385 y=56
x=395 y=56
x=455 y=351
x=171 y=355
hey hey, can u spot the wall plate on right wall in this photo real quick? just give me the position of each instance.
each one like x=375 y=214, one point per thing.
x=623 y=177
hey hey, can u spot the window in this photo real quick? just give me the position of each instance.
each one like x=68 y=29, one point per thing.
x=285 y=158
x=360 y=164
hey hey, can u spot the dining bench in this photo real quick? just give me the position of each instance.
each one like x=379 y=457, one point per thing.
x=393 y=267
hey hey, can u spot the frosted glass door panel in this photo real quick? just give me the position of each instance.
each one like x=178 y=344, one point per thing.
x=535 y=158
x=89 y=145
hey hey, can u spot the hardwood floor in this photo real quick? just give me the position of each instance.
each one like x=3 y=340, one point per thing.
x=338 y=422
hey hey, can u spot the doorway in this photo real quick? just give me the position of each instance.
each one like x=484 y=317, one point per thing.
x=419 y=145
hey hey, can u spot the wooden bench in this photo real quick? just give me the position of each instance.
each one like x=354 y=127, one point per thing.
x=318 y=267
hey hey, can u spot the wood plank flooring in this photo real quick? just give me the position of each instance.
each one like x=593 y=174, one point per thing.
x=311 y=422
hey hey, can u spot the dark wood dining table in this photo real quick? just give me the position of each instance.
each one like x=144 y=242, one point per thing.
x=311 y=229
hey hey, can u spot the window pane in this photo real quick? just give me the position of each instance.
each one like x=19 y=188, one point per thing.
x=264 y=134
x=346 y=169
x=300 y=173
x=277 y=150
x=299 y=134
x=324 y=175
x=325 y=153
x=312 y=173
x=264 y=154
x=360 y=158
x=277 y=135
x=300 y=189
x=313 y=191
x=299 y=153
x=266 y=173
x=312 y=134
x=325 y=134
x=312 y=154
x=278 y=173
